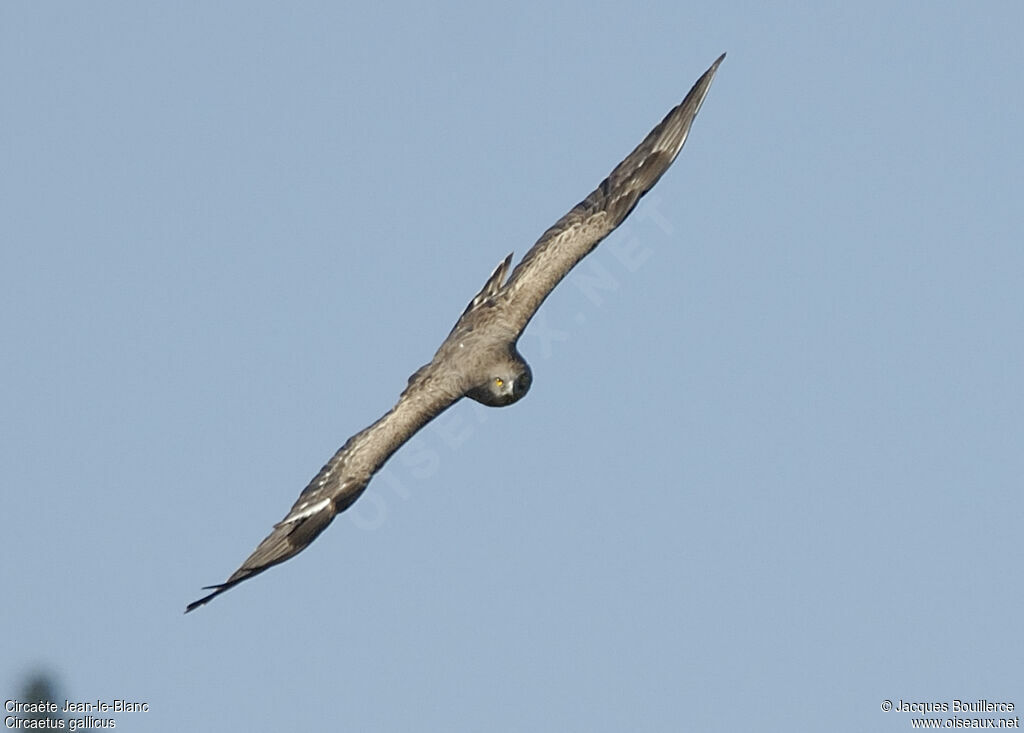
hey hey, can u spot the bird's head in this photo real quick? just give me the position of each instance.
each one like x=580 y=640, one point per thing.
x=507 y=380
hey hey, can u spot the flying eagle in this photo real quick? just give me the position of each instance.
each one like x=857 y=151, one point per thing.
x=479 y=359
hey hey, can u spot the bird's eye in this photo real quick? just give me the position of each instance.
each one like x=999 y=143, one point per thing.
x=499 y=381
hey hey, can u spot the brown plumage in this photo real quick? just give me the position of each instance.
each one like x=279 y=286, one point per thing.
x=479 y=358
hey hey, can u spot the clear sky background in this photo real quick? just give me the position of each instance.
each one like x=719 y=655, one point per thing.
x=769 y=473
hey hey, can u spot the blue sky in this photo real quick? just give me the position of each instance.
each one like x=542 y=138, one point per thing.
x=768 y=474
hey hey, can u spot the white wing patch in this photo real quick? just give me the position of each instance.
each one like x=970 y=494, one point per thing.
x=306 y=511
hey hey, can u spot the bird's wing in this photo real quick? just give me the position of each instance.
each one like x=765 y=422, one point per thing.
x=342 y=480
x=578 y=232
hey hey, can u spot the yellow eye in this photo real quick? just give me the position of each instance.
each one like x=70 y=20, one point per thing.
x=498 y=381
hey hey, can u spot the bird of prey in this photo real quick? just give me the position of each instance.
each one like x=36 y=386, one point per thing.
x=479 y=358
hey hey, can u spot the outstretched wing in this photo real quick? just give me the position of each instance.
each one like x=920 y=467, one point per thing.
x=578 y=232
x=431 y=390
